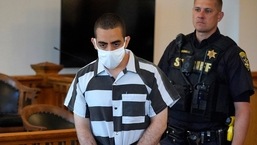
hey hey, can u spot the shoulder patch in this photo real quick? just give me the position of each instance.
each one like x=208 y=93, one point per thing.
x=245 y=60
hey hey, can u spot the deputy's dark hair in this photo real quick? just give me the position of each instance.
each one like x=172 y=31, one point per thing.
x=220 y=4
x=110 y=21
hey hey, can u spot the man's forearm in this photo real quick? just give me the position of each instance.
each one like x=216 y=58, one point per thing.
x=151 y=137
x=83 y=131
x=153 y=133
x=85 y=137
x=240 y=131
x=242 y=119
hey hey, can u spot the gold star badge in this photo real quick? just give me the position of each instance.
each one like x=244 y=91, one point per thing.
x=211 y=54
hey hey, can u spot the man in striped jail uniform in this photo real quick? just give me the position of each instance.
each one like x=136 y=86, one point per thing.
x=119 y=99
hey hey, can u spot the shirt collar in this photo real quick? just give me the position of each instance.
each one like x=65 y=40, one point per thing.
x=100 y=67
x=131 y=66
x=207 y=41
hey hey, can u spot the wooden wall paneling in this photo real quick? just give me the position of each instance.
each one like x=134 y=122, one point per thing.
x=252 y=131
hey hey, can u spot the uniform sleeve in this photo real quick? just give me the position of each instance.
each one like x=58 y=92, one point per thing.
x=172 y=92
x=239 y=74
x=163 y=93
x=75 y=100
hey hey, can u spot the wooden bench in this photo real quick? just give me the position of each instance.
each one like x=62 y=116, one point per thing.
x=48 y=137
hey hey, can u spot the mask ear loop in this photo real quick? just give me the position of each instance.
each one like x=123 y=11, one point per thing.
x=124 y=45
x=125 y=41
x=95 y=44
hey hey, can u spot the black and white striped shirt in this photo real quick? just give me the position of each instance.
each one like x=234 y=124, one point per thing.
x=120 y=109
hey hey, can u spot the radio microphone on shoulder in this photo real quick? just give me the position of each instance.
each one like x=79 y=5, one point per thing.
x=180 y=40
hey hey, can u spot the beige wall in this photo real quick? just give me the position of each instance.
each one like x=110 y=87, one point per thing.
x=29 y=29
x=248 y=30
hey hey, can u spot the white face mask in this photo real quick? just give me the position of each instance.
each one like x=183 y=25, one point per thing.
x=110 y=59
